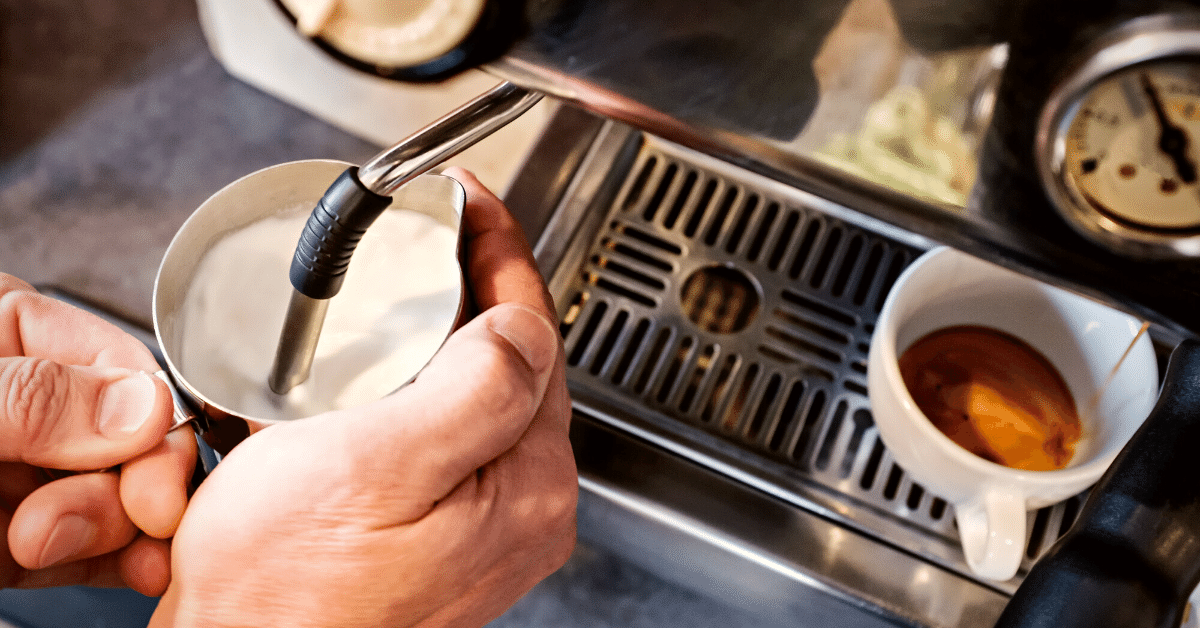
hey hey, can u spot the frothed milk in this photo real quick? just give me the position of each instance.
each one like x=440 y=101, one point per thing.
x=396 y=307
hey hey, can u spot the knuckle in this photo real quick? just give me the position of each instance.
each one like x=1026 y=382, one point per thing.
x=558 y=507
x=555 y=545
x=560 y=522
x=35 y=396
x=563 y=513
x=561 y=553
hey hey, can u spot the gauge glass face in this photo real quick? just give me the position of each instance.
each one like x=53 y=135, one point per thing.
x=1132 y=151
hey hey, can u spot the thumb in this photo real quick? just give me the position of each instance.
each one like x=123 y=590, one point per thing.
x=78 y=417
x=470 y=404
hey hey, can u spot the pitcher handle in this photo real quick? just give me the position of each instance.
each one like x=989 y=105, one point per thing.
x=183 y=416
x=992 y=528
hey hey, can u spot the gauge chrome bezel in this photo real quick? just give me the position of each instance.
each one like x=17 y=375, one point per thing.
x=1147 y=39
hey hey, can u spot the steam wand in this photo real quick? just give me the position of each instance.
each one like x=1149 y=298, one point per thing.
x=353 y=203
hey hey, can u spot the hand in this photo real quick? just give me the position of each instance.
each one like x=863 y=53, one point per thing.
x=439 y=505
x=75 y=394
x=1172 y=140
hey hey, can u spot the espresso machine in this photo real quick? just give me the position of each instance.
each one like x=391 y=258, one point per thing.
x=720 y=207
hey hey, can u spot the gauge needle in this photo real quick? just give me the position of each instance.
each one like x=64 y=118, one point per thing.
x=1172 y=140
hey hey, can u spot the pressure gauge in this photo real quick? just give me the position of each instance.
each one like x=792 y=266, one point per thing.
x=1119 y=141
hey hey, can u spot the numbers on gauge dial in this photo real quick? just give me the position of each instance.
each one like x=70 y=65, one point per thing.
x=1133 y=149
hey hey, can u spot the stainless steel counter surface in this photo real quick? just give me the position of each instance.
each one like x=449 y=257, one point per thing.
x=116 y=122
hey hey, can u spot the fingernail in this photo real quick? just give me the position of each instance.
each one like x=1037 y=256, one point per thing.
x=71 y=535
x=126 y=404
x=531 y=333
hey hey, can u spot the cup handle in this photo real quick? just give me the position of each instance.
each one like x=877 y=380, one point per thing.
x=992 y=528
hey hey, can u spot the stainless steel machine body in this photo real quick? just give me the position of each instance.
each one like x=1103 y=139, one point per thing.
x=718 y=277
x=716 y=325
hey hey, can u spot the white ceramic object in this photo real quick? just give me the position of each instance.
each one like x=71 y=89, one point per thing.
x=254 y=41
x=1080 y=337
x=389 y=33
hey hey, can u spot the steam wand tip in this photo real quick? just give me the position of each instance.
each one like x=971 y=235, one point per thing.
x=297 y=342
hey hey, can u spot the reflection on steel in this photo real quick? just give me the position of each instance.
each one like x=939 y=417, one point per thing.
x=446 y=137
x=789 y=565
x=297 y=342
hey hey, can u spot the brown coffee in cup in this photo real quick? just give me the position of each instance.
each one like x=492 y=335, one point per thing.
x=993 y=395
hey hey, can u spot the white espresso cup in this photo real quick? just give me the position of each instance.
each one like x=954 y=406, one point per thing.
x=1081 y=338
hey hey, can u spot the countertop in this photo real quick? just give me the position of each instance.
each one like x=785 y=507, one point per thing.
x=116 y=121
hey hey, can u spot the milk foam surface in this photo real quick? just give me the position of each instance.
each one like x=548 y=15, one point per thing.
x=396 y=307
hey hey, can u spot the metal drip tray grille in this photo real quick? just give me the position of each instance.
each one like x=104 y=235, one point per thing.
x=736 y=313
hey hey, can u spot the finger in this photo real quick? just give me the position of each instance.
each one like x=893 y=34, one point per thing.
x=36 y=325
x=145 y=565
x=500 y=264
x=70 y=519
x=154 y=485
x=470 y=404
x=502 y=269
x=78 y=417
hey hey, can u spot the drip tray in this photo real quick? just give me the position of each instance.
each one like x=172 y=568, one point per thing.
x=725 y=318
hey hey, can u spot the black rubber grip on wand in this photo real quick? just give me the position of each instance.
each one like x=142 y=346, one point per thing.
x=332 y=233
x=1132 y=557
